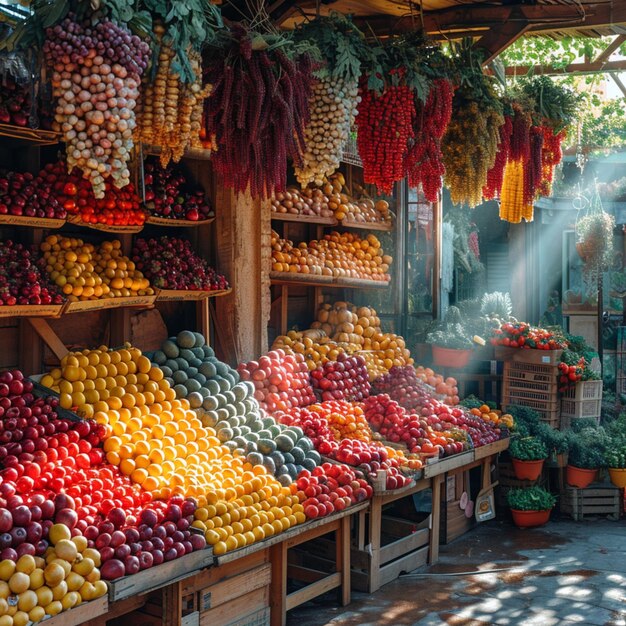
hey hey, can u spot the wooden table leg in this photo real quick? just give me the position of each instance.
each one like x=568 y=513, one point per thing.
x=172 y=605
x=361 y=530
x=343 y=559
x=278 y=590
x=374 y=537
x=433 y=549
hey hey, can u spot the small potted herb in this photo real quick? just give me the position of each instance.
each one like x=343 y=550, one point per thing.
x=451 y=345
x=587 y=446
x=616 y=462
x=530 y=507
x=528 y=455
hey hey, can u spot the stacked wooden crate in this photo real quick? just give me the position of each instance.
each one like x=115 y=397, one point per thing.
x=584 y=400
x=597 y=500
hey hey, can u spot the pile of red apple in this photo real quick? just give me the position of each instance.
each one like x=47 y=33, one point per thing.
x=344 y=379
x=118 y=207
x=170 y=195
x=23 y=194
x=281 y=381
x=171 y=263
x=314 y=425
x=53 y=471
x=15 y=102
x=370 y=457
x=329 y=488
x=21 y=281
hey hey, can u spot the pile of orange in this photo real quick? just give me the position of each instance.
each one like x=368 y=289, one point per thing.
x=496 y=417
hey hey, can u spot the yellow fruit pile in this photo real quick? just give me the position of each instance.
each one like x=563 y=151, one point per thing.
x=343 y=327
x=160 y=443
x=34 y=587
x=342 y=255
x=84 y=272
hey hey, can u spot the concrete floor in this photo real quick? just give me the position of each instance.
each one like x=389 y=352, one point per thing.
x=563 y=574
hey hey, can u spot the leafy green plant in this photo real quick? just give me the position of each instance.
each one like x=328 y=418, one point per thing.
x=616 y=457
x=472 y=402
x=587 y=446
x=452 y=336
x=528 y=449
x=530 y=499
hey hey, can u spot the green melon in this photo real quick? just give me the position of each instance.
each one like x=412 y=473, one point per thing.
x=230 y=396
x=268 y=422
x=222 y=368
x=208 y=351
x=231 y=380
x=159 y=357
x=309 y=464
x=167 y=372
x=284 y=443
x=232 y=410
x=200 y=340
x=204 y=392
x=191 y=371
x=266 y=446
x=304 y=443
x=292 y=470
x=209 y=419
x=172 y=364
x=250 y=385
x=224 y=384
x=186 y=339
x=245 y=430
x=298 y=454
x=181 y=391
x=195 y=400
x=207 y=369
x=225 y=434
x=255 y=458
x=252 y=436
x=198 y=353
x=284 y=479
x=239 y=452
x=231 y=445
x=269 y=465
x=278 y=458
x=186 y=354
x=192 y=384
x=170 y=380
x=314 y=455
x=212 y=386
x=240 y=441
x=250 y=446
x=179 y=377
x=170 y=349
x=294 y=432
x=200 y=378
x=195 y=362
x=221 y=400
x=276 y=431
x=210 y=403
x=282 y=471
x=223 y=413
x=289 y=456
x=255 y=426
x=240 y=409
x=233 y=421
x=182 y=364
x=265 y=434
x=221 y=423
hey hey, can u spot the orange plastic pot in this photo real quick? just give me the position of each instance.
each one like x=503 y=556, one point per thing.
x=530 y=519
x=578 y=477
x=618 y=476
x=448 y=357
x=527 y=470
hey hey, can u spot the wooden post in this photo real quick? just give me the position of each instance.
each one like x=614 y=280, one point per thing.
x=244 y=255
x=278 y=589
x=435 y=517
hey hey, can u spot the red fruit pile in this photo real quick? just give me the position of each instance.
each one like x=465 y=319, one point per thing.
x=281 y=381
x=171 y=263
x=329 y=488
x=14 y=102
x=23 y=194
x=369 y=457
x=343 y=379
x=118 y=207
x=314 y=425
x=21 y=281
x=169 y=194
x=402 y=385
x=569 y=375
x=523 y=335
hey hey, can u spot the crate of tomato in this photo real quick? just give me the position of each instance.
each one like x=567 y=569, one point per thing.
x=519 y=341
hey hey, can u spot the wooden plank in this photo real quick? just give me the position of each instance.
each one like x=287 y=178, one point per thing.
x=304 y=574
x=235 y=586
x=172 y=605
x=49 y=336
x=278 y=598
x=451 y=463
x=381 y=226
x=303 y=219
x=407 y=564
x=81 y=614
x=233 y=612
x=404 y=545
x=153 y=578
x=433 y=548
x=313 y=590
x=343 y=560
x=360 y=559
x=491 y=448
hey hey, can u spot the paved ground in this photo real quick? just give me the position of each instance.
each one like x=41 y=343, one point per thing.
x=565 y=574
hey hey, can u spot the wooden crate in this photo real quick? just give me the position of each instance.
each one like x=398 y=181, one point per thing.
x=585 y=390
x=454 y=523
x=525 y=355
x=598 y=500
x=576 y=409
x=508 y=481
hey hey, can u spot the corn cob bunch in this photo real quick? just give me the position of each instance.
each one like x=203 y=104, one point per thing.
x=513 y=207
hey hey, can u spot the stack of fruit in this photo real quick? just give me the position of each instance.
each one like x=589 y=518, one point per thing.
x=343 y=379
x=169 y=195
x=281 y=381
x=15 y=102
x=21 y=281
x=171 y=263
x=338 y=255
x=523 y=335
x=443 y=387
x=25 y=195
x=84 y=272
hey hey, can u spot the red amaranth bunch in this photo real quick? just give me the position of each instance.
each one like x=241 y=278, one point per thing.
x=520 y=136
x=551 y=155
x=473 y=245
x=495 y=176
x=533 y=173
x=257 y=110
x=424 y=163
x=171 y=263
x=385 y=126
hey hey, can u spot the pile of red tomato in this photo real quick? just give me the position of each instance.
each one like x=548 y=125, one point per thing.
x=523 y=335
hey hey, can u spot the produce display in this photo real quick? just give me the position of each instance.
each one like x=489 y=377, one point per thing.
x=343 y=379
x=495 y=417
x=342 y=255
x=309 y=202
x=408 y=388
x=96 y=76
x=281 y=381
x=171 y=263
x=21 y=281
x=15 y=102
x=23 y=194
x=168 y=194
x=524 y=336
x=84 y=272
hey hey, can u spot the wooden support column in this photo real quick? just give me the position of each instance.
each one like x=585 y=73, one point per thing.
x=243 y=233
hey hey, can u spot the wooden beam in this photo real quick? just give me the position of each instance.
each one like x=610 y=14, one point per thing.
x=497 y=39
x=611 y=48
x=573 y=68
x=49 y=336
x=617 y=80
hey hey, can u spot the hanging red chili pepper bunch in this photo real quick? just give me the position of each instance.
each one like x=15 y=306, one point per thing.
x=551 y=155
x=384 y=128
x=424 y=160
x=533 y=172
x=257 y=110
x=495 y=176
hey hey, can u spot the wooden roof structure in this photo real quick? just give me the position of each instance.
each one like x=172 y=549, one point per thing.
x=494 y=24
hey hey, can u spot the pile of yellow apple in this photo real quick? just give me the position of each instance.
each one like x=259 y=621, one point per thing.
x=84 y=272
x=340 y=255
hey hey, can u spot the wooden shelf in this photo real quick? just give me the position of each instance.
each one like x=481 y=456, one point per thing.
x=178 y=295
x=199 y=154
x=164 y=221
x=381 y=226
x=313 y=280
x=109 y=303
x=32 y=222
x=304 y=219
x=109 y=228
x=32 y=310
x=31 y=135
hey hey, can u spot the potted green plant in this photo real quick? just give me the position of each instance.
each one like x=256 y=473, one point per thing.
x=587 y=447
x=528 y=455
x=451 y=345
x=616 y=462
x=531 y=506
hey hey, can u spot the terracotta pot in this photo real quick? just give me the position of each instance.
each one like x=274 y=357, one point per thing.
x=529 y=519
x=448 y=357
x=527 y=470
x=581 y=478
x=618 y=476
